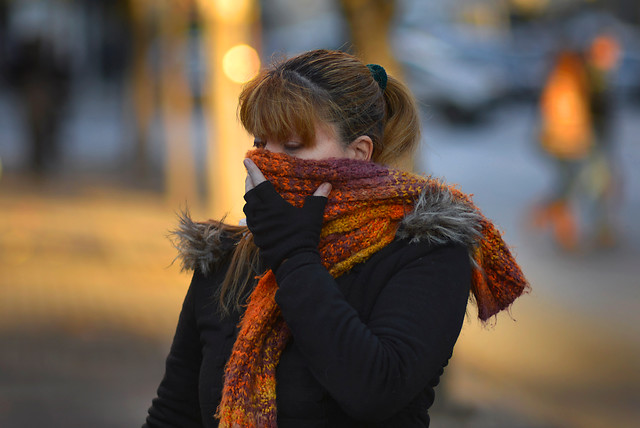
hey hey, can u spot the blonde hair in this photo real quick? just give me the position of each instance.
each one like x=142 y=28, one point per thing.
x=320 y=86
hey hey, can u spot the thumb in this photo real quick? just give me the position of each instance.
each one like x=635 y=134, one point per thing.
x=323 y=190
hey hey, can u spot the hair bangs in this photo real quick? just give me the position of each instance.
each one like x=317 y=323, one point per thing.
x=272 y=106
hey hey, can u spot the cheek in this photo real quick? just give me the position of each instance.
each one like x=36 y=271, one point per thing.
x=336 y=151
x=328 y=149
x=320 y=152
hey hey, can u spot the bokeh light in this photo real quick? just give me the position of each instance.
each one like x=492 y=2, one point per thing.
x=241 y=63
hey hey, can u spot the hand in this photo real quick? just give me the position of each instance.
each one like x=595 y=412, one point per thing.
x=279 y=229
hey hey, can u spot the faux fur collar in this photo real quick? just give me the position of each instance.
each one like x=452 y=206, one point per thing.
x=437 y=218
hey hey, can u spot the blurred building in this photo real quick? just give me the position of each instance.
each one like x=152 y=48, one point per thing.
x=460 y=57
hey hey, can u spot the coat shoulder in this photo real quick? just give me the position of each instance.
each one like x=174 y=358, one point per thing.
x=202 y=246
x=439 y=218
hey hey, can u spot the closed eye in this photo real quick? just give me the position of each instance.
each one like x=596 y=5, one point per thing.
x=292 y=146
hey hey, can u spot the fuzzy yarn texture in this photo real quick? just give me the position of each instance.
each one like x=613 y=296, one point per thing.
x=366 y=205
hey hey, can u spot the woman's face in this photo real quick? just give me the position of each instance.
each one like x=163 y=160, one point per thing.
x=324 y=146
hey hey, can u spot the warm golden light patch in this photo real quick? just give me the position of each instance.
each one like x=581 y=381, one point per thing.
x=241 y=63
x=230 y=11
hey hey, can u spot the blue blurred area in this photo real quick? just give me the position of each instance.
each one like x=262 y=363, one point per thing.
x=454 y=67
x=66 y=92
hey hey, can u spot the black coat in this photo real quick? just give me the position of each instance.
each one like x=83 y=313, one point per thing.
x=367 y=349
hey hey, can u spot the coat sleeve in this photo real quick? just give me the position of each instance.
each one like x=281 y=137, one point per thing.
x=374 y=370
x=177 y=402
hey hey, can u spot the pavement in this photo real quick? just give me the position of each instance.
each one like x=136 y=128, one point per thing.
x=89 y=298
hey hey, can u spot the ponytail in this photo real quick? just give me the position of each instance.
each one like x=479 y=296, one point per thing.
x=401 y=133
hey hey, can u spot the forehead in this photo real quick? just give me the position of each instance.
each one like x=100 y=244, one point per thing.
x=277 y=106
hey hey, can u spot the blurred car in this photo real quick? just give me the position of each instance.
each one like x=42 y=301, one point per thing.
x=444 y=77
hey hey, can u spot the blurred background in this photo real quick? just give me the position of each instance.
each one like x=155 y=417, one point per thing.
x=117 y=114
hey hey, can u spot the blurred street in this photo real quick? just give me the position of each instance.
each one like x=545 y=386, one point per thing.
x=89 y=297
x=88 y=302
x=572 y=356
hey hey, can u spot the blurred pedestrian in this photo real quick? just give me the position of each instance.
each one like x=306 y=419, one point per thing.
x=41 y=81
x=602 y=59
x=575 y=113
x=39 y=67
x=340 y=301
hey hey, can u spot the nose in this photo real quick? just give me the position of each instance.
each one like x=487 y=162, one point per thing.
x=273 y=147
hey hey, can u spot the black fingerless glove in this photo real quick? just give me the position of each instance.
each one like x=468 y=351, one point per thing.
x=279 y=229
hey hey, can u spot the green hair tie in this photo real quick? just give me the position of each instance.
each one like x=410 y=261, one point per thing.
x=379 y=75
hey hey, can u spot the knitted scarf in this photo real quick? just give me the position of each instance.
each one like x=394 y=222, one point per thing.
x=362 y=215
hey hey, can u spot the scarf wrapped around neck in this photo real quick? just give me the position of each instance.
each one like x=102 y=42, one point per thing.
x=364 y=211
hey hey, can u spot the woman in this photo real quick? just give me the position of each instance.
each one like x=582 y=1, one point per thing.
x=340 y=304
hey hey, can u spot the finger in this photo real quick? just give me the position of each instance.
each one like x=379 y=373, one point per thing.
x=248 y=184
x=323 y=190
x=254 y=172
